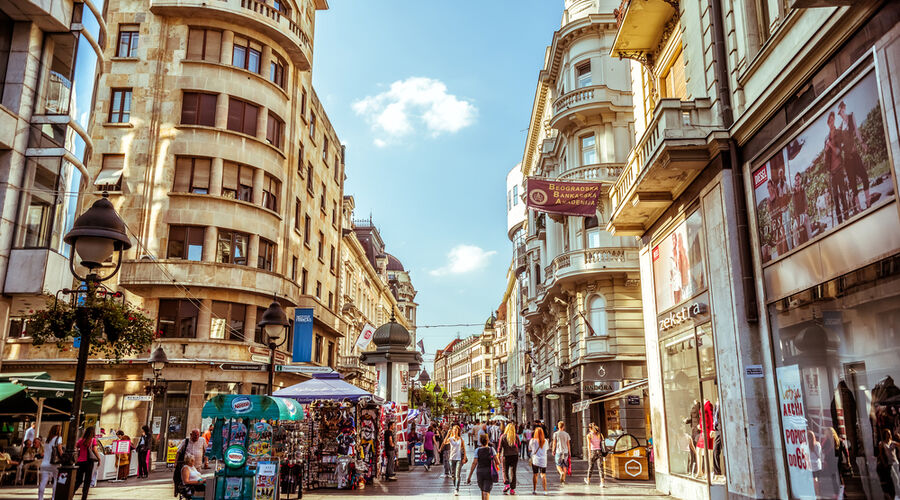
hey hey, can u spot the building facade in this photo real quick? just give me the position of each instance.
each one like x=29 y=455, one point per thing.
x=762 y=185
x=471 y=362
x=581 y=301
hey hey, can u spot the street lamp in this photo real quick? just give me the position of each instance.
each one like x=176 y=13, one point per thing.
x=275 y=324
x=157 y=362
x=95 y=236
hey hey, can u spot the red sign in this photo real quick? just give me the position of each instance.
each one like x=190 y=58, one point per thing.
x=760 y=177
x=564 y=198
x=655 y=253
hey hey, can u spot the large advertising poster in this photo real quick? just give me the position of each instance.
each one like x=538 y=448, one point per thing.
x=835 y=168
x=678 y=264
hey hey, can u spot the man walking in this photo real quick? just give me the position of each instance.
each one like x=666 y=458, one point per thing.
x=560 y=449
x=196 y=446
x=389 y=453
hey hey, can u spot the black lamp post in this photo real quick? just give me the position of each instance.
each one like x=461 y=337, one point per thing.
x=95 y=236
x=157 y=362
x=275 y=324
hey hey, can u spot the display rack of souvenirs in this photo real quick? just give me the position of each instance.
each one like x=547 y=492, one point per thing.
x=290 y=448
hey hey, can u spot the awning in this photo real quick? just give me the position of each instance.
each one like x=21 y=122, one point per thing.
x=624 y=391
x=7 y=390
x=323 y=386
x=255 y=406
x=110 y=173
x=566 y=389
x=39 y=385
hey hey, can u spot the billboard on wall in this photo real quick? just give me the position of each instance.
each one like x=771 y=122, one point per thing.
x=834 y=168
x=678 y=264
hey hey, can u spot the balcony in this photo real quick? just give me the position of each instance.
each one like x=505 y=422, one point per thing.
x=577 y=106
x=258 y=16
x=521 y=259
x=679 y=142
x=608 y=172
x=643 y=24
x=592 y=261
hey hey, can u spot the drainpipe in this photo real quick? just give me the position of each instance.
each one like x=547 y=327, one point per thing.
x=751 y=313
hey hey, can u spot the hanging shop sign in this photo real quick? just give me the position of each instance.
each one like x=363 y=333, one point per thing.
x=580 y=406
x=563 y=198
x=365 y=336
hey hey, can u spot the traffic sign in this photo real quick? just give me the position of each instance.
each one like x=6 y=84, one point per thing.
x=241 y=367
x=259 y=359
x=303 y=369
x=581 y=406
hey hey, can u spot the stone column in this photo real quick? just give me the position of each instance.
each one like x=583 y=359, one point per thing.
x=210 y=237
x=253 y=251
x=250 y=323
x=215 y=176
x=227 y=47
x=261 y=120
x=622 y=141
x=204 y=319
x=258 y=178
x=265 y=61
x=222 y=112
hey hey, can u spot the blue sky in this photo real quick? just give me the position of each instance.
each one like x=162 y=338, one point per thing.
x=432 y=99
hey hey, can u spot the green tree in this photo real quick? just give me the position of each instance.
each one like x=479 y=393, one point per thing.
x=438 y=403
x=474 y=402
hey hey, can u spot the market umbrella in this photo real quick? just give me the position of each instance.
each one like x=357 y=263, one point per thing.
x=498 y=418
x=323 y=386
x=242 y=406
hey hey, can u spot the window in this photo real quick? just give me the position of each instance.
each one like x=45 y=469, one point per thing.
x=319 y=349
x=297 y=214
x=246 y=54
x=672 y=82
x=271 y=188
x=177 y=319
x=277 y=70
x=515 y=195
x=259 y=333
x=318 y=289
x=337 y=168
x=128 y=41
x=242 y=116
x=227 y=317
x=237 y=181
x=232 y=247
x=330 y=353
x=294 y=268
x=321 y=251
x=307 y=222
x=120 y=106
x=204 y=44
x=275 y=131
x=185 y=242
x=303 y=104
x=18 y=328
x=330 y=300
x=6 y=33
x=281 y=6
x=312 y=126
x=266 y=260
x=334 y=213
x=309 y=178
x=331 y=265
x=325 y=150
x=588 y=149
x=300 y=160
x=191 y=175
x=583 y=74
x=591 y=226
x=304 y=275
x=110 y=176
x=322 y=199
x=198 y=109
x=597 y=313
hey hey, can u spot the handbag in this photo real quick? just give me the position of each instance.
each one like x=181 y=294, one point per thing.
x=55 y=459
x=495 y=475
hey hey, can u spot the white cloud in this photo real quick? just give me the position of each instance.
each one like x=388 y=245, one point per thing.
x=412 y=103
x=463 y=259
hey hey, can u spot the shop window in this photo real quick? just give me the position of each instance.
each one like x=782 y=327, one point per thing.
x=198 y=109
x=271 y=189
x=128 y=40
x=120 y=106
x=228 y=320
x=204 y=44
x=583 y=74
x=277 y=70
x=242 y=116
x=597 y=315
x=185 y=242
x=266 y=259
x=214 y=389
x=110 y=176
x=232 y=247
x=191 y=175
x=257 y=389
x=177 y=318
x=246 y=54
x=275 y=131
x=237 y=181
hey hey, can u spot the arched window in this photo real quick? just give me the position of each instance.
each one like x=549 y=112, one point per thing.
x=597 y=309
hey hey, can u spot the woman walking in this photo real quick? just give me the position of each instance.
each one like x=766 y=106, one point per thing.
x=444 y=449
x=538 y=447
x=143 y=451
x=485 y=464
x=457 y=456
x=597 y=450
x=53 y=451
x=87 y=455
x=509 y=449
x=428 y=444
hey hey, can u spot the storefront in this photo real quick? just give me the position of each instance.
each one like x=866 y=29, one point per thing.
x=827 y=243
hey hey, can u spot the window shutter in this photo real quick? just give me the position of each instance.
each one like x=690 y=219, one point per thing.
x=207 y=111
x=182 y=175
x=195 y=44
x=189 y=108
x=230 y=176
x=251 y=113
x=246 y=176
x=213 y=45
x=235 y=114
x=201 y=173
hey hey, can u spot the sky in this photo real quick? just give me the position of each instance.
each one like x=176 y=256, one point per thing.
x=432 y=100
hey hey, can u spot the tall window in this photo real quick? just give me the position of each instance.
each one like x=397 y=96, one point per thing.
x=228 y=317
x=300 y=159
x=191 y=175
x=110 y=176
x=185 y=242
x=198 y=109
x=515 y=195
x=303 y=104
x=232 y=247
x=177 y=318
x=321 y=251
x=597 y=308
x=259 y=333
x=330 y=353
x=333 y=213
x=673 y=82
x=583 y=74
x=40 y=228
x=319 y=349
x=128 y=41
x=266 y=260
x=246 y=54
x=307 y=222
x=204 y=44
x=297 y=214
x=325 y=150
x=294 y=268
x=588 y=149
x=237 y=181
x=309 y=178
x=318 y=289
x=242 y=116
x=312 y=126
x=275 y=131
x=592 y=228
x=277 y=70
x=120 y=106
x=271 y=188
x=304 y=276
x=332 y=261
x=574 y=335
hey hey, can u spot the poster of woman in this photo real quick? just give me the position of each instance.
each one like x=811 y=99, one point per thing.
x=835 y=168
x=678 y=269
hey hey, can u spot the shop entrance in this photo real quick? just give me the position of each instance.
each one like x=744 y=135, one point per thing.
x=170 y=410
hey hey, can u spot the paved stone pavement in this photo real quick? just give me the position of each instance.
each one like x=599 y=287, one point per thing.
x=414 y=483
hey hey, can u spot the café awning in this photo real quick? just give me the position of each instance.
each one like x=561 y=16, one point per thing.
x=8 y=390
x=40 y=385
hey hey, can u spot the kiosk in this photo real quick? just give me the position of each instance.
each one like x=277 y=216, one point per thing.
x=627 y=459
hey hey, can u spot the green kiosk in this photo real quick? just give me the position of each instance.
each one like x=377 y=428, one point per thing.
x=244 y=427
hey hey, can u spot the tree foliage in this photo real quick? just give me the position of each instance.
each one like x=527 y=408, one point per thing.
x=474 y=401
x=438 y=403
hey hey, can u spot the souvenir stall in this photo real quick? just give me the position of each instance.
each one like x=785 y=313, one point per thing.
x=255 y=437
x=342 y=427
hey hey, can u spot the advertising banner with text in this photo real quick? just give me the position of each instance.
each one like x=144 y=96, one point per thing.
x=303 y=334
x=564 y=198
